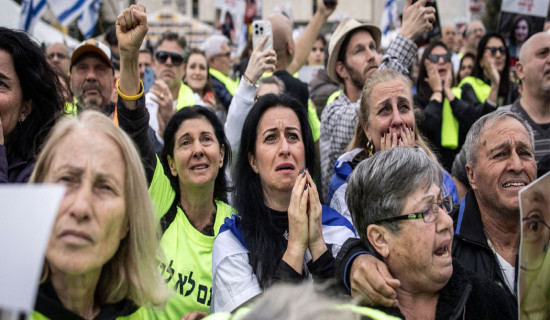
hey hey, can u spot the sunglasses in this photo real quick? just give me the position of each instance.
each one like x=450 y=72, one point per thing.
x=435 y=57
x=162 y=57
x=227 y=54
x=494 y=50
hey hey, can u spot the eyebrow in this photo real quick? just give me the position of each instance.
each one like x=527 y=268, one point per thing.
x=399 y=99
x=537 y=196
x=4 y=76
x=506 y=144
x=275 y=129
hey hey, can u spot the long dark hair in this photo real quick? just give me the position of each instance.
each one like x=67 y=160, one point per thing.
x=39 y=85
x=221 y=186
x=424 y=91
x=266 y=249
x=504 y=86
x=515 y=23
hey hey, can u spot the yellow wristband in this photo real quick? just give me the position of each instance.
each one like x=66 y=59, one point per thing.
x=130 y=98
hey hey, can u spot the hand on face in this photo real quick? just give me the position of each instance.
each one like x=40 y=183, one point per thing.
x=298 y=229
x=448 y=81
x=491 y=69
x=434 y=80
x=391 y=139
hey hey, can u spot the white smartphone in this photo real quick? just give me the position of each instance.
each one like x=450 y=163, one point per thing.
x=261 y=28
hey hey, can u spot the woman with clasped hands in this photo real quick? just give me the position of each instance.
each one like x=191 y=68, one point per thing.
x=401 y=214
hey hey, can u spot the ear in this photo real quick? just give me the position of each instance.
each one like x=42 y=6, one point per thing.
x=519 y=70
x=172 y=166
x=341 y=70
x=471 y=176
x=125 y=229
x=222 y=154
x=378 y=237
x=25 y=110
x=366 y=131
x=289 y=48
x=252 y=161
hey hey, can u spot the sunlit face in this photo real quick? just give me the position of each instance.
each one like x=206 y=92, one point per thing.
x=361 y=59
x=420 y=253
x=534 y=280
x=91 y=220
x=441 y=65
x=505 y=165
x=145 y=60
x=198 y=155
x=196 y=73
x=390 y=111
x=466 y=67
x=317 y=54
x=521 y=31
x=280 y=152
x=92 y=82
x=168 y=71
x=500 y=58
x=12 y=106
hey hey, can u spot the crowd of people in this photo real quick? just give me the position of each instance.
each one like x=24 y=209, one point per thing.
x=191 y=195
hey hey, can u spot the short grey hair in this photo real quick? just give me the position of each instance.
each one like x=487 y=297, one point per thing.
x=379 y=186
x=473 y=139
x=171 y=36
x=273 y=80
x=212 y=46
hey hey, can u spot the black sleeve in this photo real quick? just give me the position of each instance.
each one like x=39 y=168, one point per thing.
x=323 y=267
x=352 y=248
x=136 y=124
x=469 y=109
x=432 y=118
x=285 y=273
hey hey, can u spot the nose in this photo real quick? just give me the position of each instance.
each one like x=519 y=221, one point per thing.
x=198 y=151
x=514 y=162
x=81 y=206
x=396 y=120
x=444 y=221
x=284 y=148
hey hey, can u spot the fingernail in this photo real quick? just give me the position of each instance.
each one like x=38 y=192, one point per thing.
x=302 y=170
x=304 y=174
x=309 y=184
x=388 y=131
x=383 y=135
x=406 y=125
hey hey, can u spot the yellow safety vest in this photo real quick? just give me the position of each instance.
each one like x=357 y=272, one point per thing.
x=185 y=97
x=449 y=124
x=229 y=84
x=333 y=97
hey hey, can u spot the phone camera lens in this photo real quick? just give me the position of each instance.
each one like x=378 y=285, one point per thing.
x=261 y=29
x=257 y=32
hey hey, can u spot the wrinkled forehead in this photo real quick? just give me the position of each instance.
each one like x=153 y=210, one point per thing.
x=498 y=131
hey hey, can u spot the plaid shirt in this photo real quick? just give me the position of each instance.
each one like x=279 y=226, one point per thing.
x=339 y=118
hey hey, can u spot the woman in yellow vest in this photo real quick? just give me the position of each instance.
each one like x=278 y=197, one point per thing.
x=490 y=86
x=447 y=117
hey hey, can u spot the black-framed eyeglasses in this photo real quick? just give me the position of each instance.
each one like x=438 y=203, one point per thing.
x=435 y=57
x=162 y=57
x=536 y=237
x=493 y=50
x=429 y=215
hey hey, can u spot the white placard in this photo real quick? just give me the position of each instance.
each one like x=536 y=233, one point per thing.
x=537 y=8
x=27 y=214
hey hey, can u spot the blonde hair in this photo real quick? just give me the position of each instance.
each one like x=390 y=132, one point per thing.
x=132 y=272
x=360 y=139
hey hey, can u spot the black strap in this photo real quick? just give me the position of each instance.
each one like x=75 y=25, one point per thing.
x=168 y=217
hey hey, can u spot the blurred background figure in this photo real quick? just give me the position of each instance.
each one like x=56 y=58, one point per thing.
x=522 y=29
x=318 y=52
x=465 y=68
x=58 y=57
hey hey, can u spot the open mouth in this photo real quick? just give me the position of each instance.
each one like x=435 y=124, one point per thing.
x=200 y=167
x=285 y=167
x=514 y=184
x=442 y=251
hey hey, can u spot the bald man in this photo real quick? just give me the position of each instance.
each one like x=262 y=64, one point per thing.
x=283 y=44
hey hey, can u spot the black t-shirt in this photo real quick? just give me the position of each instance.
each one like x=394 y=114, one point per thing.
x=294 y=87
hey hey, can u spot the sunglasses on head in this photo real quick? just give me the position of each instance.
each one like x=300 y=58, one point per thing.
x=162 y=57
x=435 y=57
x=494 y=50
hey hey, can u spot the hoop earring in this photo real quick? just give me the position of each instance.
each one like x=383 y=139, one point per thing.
x=370 y=149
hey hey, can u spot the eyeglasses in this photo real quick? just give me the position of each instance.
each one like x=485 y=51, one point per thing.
x=429 y=215
x=162 y=57
x=536 y=235
x=59 y=56
x=435 y=57
x=227 y=54
x=493 y=50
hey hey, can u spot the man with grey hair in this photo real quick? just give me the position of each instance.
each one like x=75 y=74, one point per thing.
x=472 y=35
x=487 y=223
x=218 y=54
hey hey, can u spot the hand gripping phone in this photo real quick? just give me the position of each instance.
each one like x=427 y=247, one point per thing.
x=261 y=28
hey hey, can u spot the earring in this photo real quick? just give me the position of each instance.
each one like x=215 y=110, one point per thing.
x=370 y=149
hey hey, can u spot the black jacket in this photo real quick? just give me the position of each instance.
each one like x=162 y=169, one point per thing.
x=468 y=296
x=470 y=248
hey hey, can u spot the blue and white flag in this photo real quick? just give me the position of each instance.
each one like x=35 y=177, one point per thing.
x=88 y=19
x=389 y=16
x=67 y=11
x=31 y=11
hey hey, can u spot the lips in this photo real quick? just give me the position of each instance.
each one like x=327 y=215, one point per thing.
x=75 y=236
x=444 y=249
x=200 y=166
x=285 y=166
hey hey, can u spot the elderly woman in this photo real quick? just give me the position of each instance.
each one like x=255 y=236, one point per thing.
x=283 y=232
x=401 y=213
x=30 y=103
x=386 y=120
x=100 y=261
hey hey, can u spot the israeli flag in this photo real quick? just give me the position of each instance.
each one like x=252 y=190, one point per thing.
x=31 y=11
x=389 y=16
x=88 y=19
x=67 y=11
